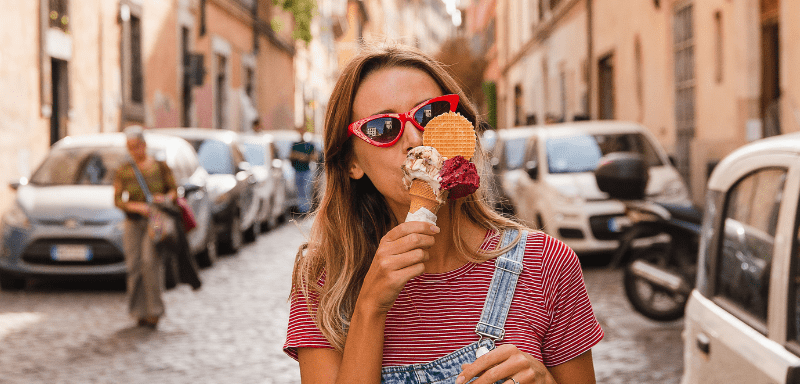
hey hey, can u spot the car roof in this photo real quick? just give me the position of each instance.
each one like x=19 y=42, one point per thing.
x=223 y=135
x=261 y=138
x=573 y=128
x=115 y=139
x=788 y=143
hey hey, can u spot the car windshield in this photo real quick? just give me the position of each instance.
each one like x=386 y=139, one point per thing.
x=581 y=153
x=80 y=166
x=514 y=151
x=255 y=154
x=215 y=156
x=283 y=147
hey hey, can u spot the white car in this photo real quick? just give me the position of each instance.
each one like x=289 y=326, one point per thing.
x=742 y=320
x=546 y=173
x=267 y=167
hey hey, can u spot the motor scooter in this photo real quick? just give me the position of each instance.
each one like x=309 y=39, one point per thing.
x=658 y=243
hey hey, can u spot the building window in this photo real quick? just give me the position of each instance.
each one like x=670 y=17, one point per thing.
x=606 y=90
x=59 y=17
x=132 y=70
x=221 y=92
x=518 y=114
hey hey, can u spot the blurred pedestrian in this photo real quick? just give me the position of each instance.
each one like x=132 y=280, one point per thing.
x=303 y=153
x=378 y=300
x=145 y=266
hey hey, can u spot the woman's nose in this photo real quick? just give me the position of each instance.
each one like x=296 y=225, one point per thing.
x=412 y=137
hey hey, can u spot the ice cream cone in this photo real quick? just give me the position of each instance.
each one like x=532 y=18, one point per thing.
x=422 y=196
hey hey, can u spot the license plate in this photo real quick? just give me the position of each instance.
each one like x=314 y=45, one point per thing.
x=71 y=252
x=618 y=224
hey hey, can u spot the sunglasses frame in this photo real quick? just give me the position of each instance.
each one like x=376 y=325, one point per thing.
x=355 y=127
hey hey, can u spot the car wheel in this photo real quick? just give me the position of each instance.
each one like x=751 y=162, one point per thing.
x=208 y=257
x=9 y=283
x=234 y=240
x=251 y=234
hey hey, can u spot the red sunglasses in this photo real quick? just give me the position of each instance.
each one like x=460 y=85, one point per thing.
x=385 y=129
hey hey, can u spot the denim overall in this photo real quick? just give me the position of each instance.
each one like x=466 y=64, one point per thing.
x=489 y=329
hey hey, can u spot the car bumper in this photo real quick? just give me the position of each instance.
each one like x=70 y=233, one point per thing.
x=29 y=252
x=586 y=228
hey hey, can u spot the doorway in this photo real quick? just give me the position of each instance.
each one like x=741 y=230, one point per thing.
x=606 y=82
x=60 y=108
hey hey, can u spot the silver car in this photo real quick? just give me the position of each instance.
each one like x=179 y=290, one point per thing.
x=64 y=223
x=742 y=321
x=267 y=168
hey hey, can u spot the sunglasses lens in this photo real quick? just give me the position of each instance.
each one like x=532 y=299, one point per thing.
x=382 y=129
x=431 y=110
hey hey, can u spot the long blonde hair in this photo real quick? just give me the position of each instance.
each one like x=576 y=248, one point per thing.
x=353 y=216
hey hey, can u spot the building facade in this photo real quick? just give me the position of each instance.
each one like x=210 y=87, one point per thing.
x=705 y=76
x=73 y=67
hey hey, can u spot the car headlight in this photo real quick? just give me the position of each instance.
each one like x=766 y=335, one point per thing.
x=16 y=217
x=565 y=198
x=673 y=190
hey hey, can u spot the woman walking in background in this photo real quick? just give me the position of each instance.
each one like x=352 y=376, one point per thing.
x=145 y=279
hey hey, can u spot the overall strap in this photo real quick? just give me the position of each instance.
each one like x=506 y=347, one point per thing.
x=508 y=267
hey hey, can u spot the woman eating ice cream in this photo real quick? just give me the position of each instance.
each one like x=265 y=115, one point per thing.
x=378 y=299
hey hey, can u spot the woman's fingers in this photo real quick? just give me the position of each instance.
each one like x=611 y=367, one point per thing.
x=503 y=363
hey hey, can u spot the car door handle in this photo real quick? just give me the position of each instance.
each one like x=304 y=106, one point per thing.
x=703 y=343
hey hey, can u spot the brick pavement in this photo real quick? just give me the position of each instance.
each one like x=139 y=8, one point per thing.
x=231 y=331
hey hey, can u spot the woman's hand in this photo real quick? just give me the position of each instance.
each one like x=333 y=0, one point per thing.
x=504 y=363
x=399 y=258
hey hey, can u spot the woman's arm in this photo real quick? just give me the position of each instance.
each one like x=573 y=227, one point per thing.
x=399 y=258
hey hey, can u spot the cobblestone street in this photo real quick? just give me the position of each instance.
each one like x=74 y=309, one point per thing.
x=232 y=330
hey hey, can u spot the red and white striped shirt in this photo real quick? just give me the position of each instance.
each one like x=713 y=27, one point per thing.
x=435 y=314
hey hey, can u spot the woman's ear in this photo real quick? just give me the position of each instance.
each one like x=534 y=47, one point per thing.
x=355 y=170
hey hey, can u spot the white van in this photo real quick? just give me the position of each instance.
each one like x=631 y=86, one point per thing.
x=547 y=175
x=742 y=321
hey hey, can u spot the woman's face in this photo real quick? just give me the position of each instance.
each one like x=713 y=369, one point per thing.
x=137 y=149
x=390 y=90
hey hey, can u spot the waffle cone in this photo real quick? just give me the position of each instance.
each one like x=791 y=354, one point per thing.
x=451 y=134
x=422 y=196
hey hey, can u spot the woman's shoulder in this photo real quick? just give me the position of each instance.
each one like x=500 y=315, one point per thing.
x=543 y=248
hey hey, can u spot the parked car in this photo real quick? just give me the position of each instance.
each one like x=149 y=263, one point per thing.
x=231 y=183
x=742 y=321
x=261 y=153
x=546 y=174
x=283 y=143
x=64 y=223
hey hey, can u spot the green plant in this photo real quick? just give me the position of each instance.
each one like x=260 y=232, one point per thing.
x=302 y=11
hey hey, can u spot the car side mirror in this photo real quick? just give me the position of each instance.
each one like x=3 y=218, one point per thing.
x=532 y=169
x=244 y=166
x=495 y=163
x=189 y=188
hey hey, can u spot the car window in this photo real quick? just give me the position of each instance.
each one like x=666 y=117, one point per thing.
x=215 y=156
x=80 y=166
x=629 y=142
x=794 y=286
x=255 y=153
x=514 y=153
x=572 y=154
x=582 y=153
x=750 y=220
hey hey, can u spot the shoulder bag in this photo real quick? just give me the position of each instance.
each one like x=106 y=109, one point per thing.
x=160 y=223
